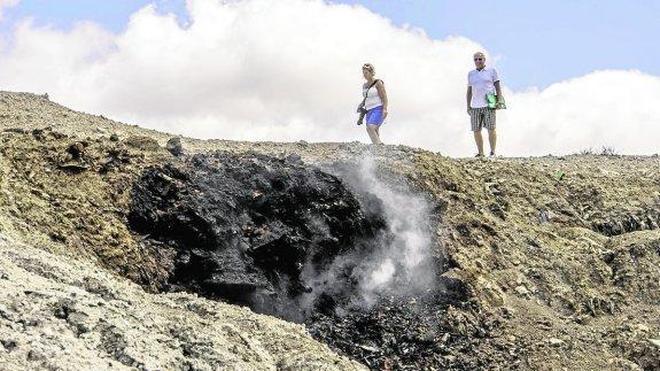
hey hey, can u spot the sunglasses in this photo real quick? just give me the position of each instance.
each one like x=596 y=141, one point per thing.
x=478 y=59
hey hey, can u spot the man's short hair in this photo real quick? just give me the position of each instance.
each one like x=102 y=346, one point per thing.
x=479 y=54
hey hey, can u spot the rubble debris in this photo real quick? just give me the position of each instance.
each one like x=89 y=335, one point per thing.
x=116 y=158
x=618 y=224
x=142 y=142
x=397 y=333
x=74 y=166
x=555 y=342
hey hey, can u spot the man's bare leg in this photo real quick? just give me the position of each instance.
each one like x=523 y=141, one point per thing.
x=480 y=141
x=492 y=140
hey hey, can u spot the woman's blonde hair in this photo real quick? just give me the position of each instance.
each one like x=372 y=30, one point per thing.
x=369 y=67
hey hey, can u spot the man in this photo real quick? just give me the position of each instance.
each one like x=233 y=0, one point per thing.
x=481 y=82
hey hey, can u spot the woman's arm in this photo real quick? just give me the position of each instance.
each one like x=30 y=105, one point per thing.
x=380 y=86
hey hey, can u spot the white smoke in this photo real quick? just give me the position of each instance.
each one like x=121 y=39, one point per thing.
x=404 y=264
x=398 y=263
x=381 y=276
x=287 y=70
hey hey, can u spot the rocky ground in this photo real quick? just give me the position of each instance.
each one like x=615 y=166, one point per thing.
x=543 y=263
x=60 y=314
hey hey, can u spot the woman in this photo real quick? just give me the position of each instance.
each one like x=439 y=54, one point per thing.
x=375 y=102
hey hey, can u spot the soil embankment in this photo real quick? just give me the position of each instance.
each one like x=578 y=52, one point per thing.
x=521 y=263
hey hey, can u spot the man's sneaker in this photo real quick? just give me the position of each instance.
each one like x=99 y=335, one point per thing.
x=492 y=155
x=479 y=155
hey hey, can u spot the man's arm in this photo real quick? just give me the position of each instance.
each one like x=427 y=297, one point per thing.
x=498 y=90
x=468 y=97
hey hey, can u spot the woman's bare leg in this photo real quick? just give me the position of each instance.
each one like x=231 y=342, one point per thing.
x=378 y=133
x=372 y=130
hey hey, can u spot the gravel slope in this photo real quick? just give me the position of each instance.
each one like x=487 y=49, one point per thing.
x=61 y=314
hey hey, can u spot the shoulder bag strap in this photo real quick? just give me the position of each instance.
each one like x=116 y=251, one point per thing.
x=367 y=92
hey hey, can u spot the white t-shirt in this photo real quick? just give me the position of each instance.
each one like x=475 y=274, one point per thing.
x=482 y=83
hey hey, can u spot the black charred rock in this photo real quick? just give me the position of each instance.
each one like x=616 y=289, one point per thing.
x=294 y=159
x=76 y=150
x=244 y=228
x=62 y=310
x=116 y=158
x=9 y=345
x=174 y=146
x=39 y=134
x=74 y=160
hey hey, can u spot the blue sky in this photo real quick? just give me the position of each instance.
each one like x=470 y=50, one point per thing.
x=537 y=42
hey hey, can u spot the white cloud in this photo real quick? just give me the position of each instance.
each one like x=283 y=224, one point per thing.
x=6 y=4
x=290 y=70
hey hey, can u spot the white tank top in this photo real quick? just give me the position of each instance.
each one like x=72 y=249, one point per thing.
x=373 y=99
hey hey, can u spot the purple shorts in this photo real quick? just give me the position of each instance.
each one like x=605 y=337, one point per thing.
x=375 y=116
